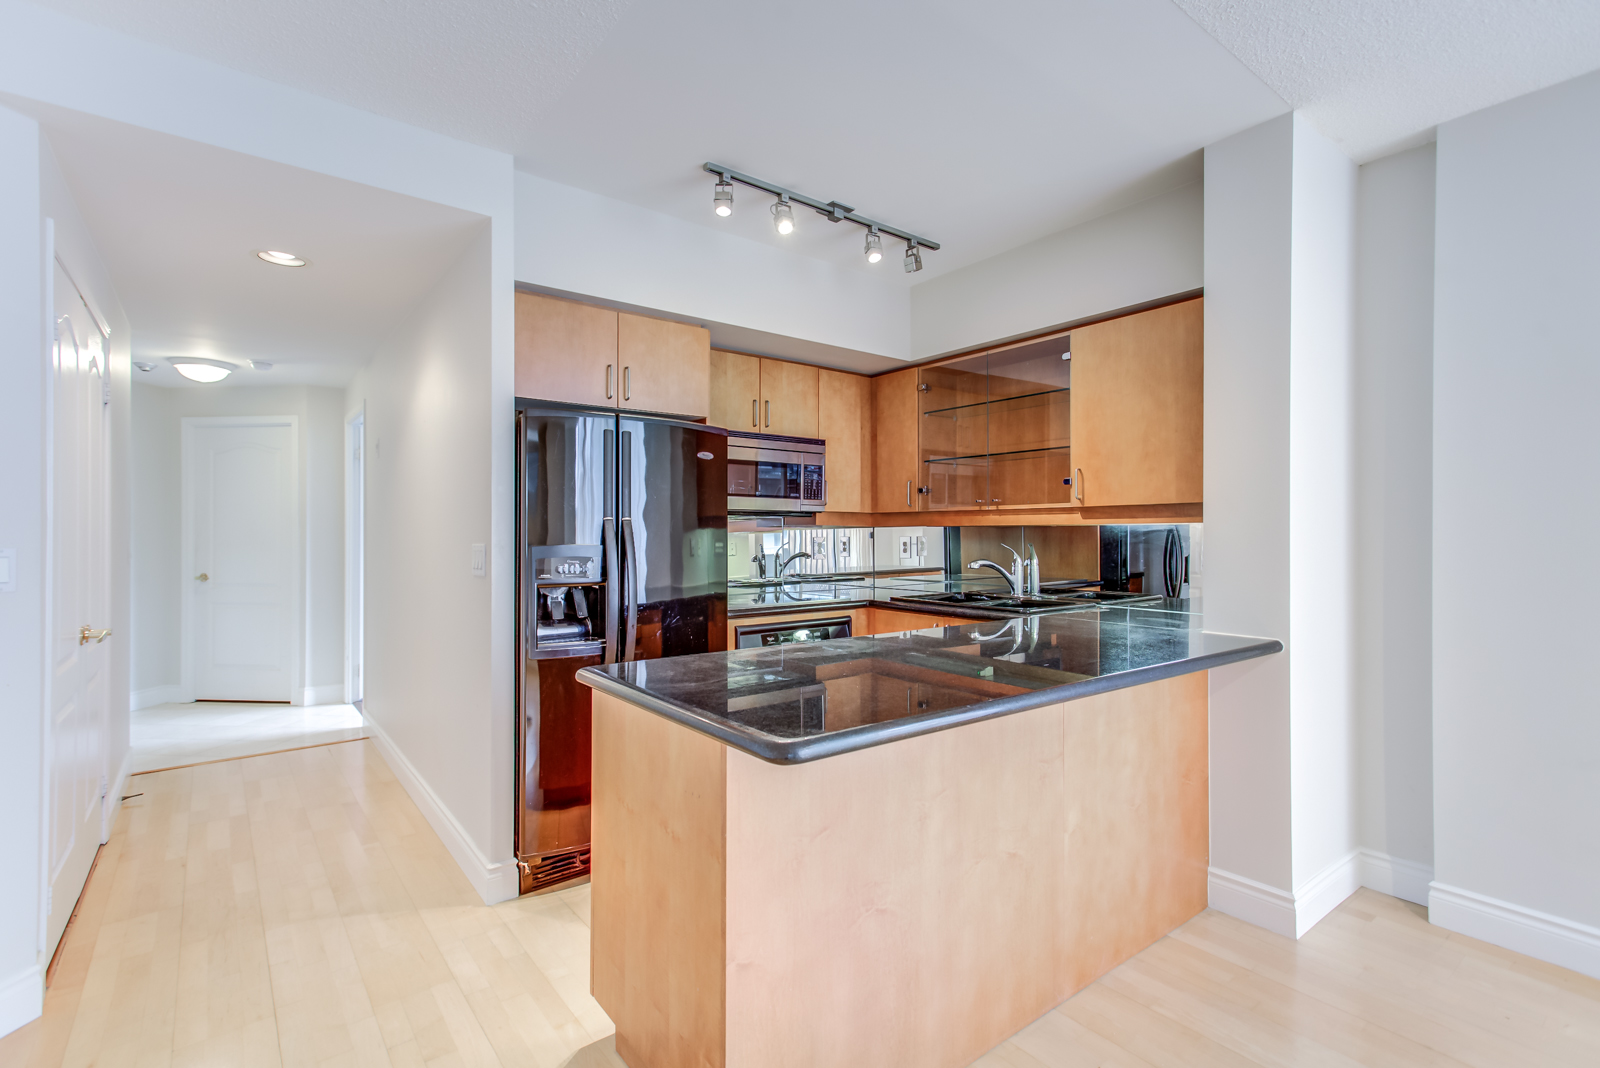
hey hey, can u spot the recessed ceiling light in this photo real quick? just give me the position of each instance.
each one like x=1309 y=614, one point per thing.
x=197 y=369
x=282 y=259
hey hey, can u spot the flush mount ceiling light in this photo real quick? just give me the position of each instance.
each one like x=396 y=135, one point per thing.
x=832 y=210
x=199 y=369
x=141 y=365
x=913 y=260
x=282 y=259
x=783 y=216
x=874 y=247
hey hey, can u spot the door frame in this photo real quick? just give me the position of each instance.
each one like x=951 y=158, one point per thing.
x=186 y=612
x=355 y=521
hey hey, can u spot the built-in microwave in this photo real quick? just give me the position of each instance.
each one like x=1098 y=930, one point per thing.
x=770 y=473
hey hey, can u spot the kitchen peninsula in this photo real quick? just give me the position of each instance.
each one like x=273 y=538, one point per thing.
x=893 y=850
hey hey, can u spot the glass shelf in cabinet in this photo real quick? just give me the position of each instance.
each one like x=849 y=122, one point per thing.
x=996 y=400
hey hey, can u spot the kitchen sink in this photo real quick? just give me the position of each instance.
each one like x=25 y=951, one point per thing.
x=1044 y=602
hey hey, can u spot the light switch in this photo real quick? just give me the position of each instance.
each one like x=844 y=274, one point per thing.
x=480 y=561
x=8 y=571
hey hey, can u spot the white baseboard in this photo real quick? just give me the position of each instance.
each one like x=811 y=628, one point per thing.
x=1404 y=879
x=21 y=999
x=113 y=799
x=1325 y=891
x=1538 y=934
x=1279 y=911
x=495 y=881
x=1250 y=901
x=332 y=694
x=155 y=695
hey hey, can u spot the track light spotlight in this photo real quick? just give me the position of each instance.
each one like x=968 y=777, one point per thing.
x=722 y=199
x=783 y=216
x=913 y=260
x=874 y=245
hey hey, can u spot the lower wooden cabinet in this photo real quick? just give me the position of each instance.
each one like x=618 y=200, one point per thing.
x=863 y=621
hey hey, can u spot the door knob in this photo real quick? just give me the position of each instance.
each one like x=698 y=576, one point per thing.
x=87 y=634
x=203 y=577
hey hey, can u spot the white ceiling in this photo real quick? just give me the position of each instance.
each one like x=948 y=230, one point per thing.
x=1379 y=75
x=179 y=224
x=983 y=126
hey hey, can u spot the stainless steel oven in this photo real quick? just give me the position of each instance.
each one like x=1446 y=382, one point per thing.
x=770 y=474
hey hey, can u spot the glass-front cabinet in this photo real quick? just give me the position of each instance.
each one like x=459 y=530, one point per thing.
x=995 y=428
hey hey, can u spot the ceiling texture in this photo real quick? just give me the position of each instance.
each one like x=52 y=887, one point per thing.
x=981 y=126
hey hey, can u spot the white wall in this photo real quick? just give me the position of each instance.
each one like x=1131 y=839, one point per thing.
x=430 y=624
x=584 y=243
x=1140 y=253
x=1516 y=720
x=1279 y=219
x=1394 y=509
x=157 y=535
x=31 y=191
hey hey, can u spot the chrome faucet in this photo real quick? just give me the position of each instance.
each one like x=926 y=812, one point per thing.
x=1031 y=570
x=760 y=560
x=1016 y=577
x=784 y=566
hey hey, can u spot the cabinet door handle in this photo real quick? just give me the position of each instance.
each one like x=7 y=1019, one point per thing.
x=627 y=383
x=1077 y=489
x=908 y=493
x=769 y=413
x=754 y=421
x=609 y=373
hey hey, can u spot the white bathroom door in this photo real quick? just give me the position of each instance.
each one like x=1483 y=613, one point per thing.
x=241 y=549
x=79 y=600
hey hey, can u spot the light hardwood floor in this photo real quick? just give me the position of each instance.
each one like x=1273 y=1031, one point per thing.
x=296 y=909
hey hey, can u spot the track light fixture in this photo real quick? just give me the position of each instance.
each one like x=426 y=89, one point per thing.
x=783 y=214
x=913 y=260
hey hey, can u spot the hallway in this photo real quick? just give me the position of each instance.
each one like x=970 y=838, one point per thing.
x=296 y=909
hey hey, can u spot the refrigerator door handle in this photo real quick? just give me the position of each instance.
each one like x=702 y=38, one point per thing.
x=630 y=585
x=608 y=537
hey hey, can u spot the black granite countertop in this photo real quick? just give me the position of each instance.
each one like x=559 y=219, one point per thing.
x=789 y=704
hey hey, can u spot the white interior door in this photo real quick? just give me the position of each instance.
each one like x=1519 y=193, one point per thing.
x=80 y=602
x=242 y=520
x=355 y=555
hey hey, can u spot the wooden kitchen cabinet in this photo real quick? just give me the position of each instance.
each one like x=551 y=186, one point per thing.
x=1138 y=403
x=788 y=398
x=566 y=351
x=735 y=391
x=665 y=366
x=895 y=461
x=844 y=421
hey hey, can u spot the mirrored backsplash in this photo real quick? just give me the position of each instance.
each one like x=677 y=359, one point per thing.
x=1149 y=558
x=814 y=551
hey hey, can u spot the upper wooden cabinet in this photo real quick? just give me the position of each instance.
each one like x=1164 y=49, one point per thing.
x=566 y=351
x=895 y=462
x=666 y=366
x=788 y=398
x=735 y=391
x=1138 y=402
x=844 y=421
x=586 y=354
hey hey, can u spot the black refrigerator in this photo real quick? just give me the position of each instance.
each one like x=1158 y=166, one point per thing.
x=622 y=523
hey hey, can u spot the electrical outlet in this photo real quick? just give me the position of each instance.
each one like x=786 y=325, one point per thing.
x=480 y=560
x=905 y=548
